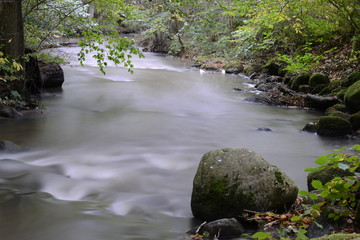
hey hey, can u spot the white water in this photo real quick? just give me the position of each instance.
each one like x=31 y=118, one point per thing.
x=122 y=150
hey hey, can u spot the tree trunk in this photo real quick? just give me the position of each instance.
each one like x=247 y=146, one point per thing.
x=12 y=37
x=11 y=29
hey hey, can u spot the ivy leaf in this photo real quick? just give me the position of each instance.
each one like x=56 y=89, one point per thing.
x=261 y=235
x=343 y=166
x=303 y=193
x=322 y=160
x=313 y=196
x=295 y=218
x=317 y=184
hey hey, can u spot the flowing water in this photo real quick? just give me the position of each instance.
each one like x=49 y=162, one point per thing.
x=113 y=156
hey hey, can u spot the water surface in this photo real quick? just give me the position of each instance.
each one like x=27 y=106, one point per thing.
x=113 y=156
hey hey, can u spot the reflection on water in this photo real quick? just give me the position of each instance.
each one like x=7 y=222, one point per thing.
x=121 y=150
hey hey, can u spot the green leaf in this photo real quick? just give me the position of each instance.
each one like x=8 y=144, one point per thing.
x=303 y=193
x=324 y=194
x=322 y=160
x=317 y=184
x=261 y=235
x=343 y=166
x=295 y=218
x=313 y=196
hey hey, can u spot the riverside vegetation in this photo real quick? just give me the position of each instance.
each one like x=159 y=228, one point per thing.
x=331 y=204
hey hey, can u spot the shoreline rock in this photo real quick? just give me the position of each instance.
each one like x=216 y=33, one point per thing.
x=231 y=180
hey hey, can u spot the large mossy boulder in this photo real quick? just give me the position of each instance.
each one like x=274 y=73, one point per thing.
x=318 y=79
x=355 y=121
x=352 y=97
x=333 y=126
x=233 y=179
x=297 y=81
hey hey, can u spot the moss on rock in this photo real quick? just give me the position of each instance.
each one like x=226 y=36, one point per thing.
x=318 y=79
x=231 y=180
x=333 y=126
x=299 y=80
x=355 y=121
x=352 y=97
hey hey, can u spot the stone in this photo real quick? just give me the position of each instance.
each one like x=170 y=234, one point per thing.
x=7 y=146
x=51 y=75
x=233 y=179
x=299 y=80
x=341 y=107
x=318 y=79
x=339 y=114
x=333 y=126
x=264 y=129
x=222 y=228
x=233 y=67
x=311 y=127
x=9 y=112
x=352 y=97
x=355 y=121
x=271 y=68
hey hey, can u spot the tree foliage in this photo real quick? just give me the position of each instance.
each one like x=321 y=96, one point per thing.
x=249 y=29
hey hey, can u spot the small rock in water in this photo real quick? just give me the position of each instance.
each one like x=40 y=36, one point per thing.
x=264 y=129
x=222 y=228
x=7 y=146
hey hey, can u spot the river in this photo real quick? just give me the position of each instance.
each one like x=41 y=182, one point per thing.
x=113 y=156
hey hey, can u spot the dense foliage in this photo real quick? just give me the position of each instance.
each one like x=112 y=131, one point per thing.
x=290 y=31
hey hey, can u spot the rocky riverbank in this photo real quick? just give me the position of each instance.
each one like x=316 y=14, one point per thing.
x=338 y=99
x=242 y=195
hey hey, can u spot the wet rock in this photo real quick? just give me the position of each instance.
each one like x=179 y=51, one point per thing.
x=7 y=146
x=264 y=129
x=260 y=98
x=233 y=70
x=264 y=87
x=311 y=127
x=231 y=180
x=222 y=228
x=9 y=112
x=51 y=75
x=352 y=97
x=333 y=126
